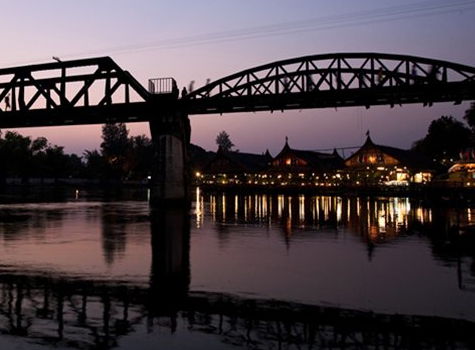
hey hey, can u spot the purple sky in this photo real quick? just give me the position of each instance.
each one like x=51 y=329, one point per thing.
x=197 y=40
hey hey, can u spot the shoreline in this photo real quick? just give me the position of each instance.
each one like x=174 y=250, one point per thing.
x=437 y=192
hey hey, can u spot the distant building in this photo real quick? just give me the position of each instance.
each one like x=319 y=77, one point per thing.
x=233 y=168
x=463 y=172
x=301 y=167
x=375 y=164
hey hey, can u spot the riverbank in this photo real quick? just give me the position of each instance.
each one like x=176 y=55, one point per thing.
x=433 y=192
x=436 y=192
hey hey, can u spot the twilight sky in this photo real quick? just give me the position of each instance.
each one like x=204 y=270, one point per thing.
x=201 y=39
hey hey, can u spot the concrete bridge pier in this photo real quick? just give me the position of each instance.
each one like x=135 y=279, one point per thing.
x=171 y=173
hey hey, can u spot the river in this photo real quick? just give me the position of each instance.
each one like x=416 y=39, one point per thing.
x=85 y=270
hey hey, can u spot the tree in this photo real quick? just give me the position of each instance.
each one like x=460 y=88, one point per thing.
x=224 y=142
x=17 y=155
x=95 y=164
x=139 y=157
x=445 y=138
x=470 y=116
x=114 y=148
x=114 y=139
x=56 y=161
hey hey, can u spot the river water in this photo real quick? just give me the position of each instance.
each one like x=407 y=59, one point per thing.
x=83 y=270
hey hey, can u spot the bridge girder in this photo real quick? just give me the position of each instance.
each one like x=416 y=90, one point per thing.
x=336 y=80
x=97 y=90
x=88 y=91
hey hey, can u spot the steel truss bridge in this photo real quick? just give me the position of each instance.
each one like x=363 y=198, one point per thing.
x=97 y=90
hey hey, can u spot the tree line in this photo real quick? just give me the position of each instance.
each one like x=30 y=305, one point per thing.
x=447 y=137
x=123 y=157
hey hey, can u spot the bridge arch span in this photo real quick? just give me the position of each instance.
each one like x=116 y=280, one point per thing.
x=336 y=80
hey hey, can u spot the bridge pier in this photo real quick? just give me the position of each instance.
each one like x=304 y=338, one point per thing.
x=170 y=180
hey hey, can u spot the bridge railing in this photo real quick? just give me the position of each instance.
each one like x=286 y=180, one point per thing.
x=162 y=86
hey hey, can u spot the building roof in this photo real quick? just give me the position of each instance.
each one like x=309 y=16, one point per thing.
x=237 y=162
x=407 y=158
x=315 y=160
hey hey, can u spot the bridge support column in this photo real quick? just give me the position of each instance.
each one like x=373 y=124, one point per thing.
x=170 y=182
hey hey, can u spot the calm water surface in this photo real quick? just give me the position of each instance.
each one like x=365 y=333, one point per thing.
x=236 y=272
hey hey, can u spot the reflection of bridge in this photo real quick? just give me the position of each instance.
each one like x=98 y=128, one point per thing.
x=94 y=315
x=96 y=91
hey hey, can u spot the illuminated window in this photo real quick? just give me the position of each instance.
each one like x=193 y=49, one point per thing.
x=402 y=176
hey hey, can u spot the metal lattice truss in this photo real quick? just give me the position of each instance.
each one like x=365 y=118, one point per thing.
x=337 y=80
x=97 y=90
x=84 y=91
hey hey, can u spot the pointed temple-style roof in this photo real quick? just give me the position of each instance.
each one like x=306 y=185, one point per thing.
x=315 y=160
x=407 y=158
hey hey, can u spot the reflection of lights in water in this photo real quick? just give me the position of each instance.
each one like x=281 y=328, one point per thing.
x=223 y=210
x=199 y=208
x=312 y=209
x=148 y=195
x=280 y=205
x=317 y=207
x=382 y=221
x=402 y=207
x=236 y=206
x=289 y=205
x=385 y=216
x=245 y=208
x=264 y=206
x=257 y=206
x=249 y=207
x=288 y=227
x=373 y=232
x=390 y=208
x=212 y=206
x=420 y=215
x=348 y=208
x=326 y=207
x=469 y=215
x=368 y=214
x=76 y=194
x=339 y=209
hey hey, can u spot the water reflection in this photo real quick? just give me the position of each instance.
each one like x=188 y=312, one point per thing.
x=84 y=314
x=376 y=218
x=47 y=302
x=114 y=233
x=377 y=221
x=170 y=240
x=77 y=312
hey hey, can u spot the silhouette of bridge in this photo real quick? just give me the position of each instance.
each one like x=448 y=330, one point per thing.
x=97 y=91
x=337 y=80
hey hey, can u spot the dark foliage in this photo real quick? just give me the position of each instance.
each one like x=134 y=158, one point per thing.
x=445 y=139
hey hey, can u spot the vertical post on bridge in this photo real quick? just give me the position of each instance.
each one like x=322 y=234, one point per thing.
x=171 y=178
